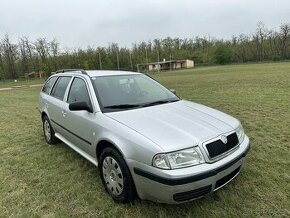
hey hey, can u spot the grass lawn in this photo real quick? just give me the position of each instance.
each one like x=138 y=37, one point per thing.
x=10 y=83
x=53 y=181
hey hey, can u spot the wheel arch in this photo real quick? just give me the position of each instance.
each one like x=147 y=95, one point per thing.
x=105 y=143
x=43 y=114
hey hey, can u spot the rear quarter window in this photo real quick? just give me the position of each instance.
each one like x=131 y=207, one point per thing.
x=48 y=85
x=60 y=87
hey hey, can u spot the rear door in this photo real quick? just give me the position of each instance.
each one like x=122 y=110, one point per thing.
x=45 y=97
x=56 y=109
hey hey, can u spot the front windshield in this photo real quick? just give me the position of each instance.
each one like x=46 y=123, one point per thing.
x=130 y=91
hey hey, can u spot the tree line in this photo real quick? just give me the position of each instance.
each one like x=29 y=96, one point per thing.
x=27 y=56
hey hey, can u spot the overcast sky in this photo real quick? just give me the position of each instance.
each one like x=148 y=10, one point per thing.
x=79 y=23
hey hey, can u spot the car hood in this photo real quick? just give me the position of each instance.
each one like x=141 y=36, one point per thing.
x=176 y=125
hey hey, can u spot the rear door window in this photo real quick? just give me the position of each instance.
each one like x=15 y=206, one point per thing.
x=60 y=87
x=48 y=85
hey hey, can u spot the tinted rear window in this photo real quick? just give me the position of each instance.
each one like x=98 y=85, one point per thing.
x=48 y=85
x=60 y=87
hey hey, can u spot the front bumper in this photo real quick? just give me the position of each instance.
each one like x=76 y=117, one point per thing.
x=181 y=185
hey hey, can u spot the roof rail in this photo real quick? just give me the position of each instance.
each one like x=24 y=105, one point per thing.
x=71 y=70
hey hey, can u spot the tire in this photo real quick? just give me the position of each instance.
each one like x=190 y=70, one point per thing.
x=48 y=131
x=116 y=176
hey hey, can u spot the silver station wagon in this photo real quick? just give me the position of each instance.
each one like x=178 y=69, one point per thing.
x=146 y=141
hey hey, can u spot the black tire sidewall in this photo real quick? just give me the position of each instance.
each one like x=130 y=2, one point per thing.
x=52 y=137
x=128 y=193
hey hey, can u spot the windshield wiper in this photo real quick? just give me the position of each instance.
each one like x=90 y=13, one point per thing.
x=159 y=102
x=128 y=106
x=122 y=106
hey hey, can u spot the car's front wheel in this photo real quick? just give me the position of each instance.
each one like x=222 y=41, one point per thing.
x=48 y=131
x=116 y=176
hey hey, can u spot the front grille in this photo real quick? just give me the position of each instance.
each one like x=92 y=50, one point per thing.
x=218 y=147
x=189 y=195
x=227 y=178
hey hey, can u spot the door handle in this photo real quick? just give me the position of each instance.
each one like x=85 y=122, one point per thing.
x=63 y=113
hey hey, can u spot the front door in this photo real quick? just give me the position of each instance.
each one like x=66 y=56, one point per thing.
x=80 y=123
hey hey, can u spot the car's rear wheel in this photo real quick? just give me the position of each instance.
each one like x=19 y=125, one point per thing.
x=116 y=176
x=48 y=131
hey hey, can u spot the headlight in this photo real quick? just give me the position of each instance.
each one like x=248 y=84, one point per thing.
x=178 y=159
x=240 y=133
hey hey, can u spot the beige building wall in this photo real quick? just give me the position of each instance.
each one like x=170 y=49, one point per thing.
x=175 y=65
x=188 y=64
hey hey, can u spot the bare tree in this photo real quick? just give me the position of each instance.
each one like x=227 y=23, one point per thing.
x=10 y=56
x=2 y=72
x=54 y=47
x=42 y=47
x=31 y=54
x=23 y=55
x=284 y=38
x=259 y=39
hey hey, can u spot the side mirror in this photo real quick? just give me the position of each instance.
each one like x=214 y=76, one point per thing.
x=80 y=106
x=173 y=91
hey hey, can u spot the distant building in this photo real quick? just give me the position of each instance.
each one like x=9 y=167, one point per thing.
x=165 y=65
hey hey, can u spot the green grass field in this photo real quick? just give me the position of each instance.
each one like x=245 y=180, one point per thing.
x=10 y=83
x=53 y=181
